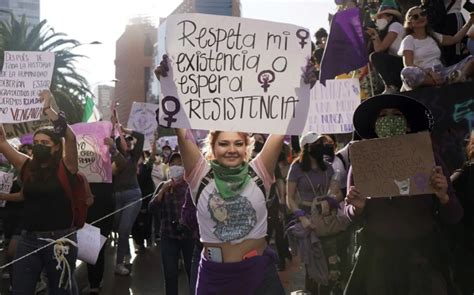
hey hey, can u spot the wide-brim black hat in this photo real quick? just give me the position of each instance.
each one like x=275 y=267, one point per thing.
x=418 y=116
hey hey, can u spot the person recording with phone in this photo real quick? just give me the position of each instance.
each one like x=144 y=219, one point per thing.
x=386 y=39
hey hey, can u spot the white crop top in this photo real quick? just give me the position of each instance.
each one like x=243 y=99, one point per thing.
x=230 y=220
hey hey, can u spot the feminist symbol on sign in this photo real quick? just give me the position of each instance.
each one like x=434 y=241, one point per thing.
x=265 y=78
x=169 y=113
x=302 y=35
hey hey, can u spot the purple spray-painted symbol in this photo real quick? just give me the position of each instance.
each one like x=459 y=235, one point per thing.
x=265 y=78
x=302 y=35
x=421 y=181
x=170 y=114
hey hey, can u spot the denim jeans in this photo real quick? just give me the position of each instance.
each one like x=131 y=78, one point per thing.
x=195 y=267
x=26 y=272
x=171 y=250
x=125 y=219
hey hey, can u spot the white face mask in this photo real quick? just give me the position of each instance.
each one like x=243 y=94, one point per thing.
x=381 y=23
x=176 y=172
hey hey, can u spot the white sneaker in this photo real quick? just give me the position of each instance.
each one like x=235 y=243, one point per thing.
x=120 y=269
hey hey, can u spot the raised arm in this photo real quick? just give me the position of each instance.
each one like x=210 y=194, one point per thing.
x=13 y=156
x=189 y=151
x=271 y=151
x=451 y=40
x=70 y=144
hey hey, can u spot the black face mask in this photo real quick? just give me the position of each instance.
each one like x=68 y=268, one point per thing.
x=316 y=151
x=41 y=152
x=328 y=151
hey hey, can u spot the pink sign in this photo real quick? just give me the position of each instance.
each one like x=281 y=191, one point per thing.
x=93 y=155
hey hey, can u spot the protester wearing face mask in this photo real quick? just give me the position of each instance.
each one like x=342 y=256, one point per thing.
x=386 y=39
x=312 y=177
x=401 y=251
x=176 y=238
x=48 y=215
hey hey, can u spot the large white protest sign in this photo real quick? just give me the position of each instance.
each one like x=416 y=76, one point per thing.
x=234 y=74
x=143 y=119
x=93 y=154
x=24 y=75
x=332 y=106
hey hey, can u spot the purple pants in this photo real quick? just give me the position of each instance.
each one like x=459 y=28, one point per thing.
x=256 y=275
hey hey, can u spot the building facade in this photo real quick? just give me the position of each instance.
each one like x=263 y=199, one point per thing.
x=104 y=99
x=133 y=65
x=28 y=8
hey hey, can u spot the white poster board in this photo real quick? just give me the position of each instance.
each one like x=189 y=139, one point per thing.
x=89 y=243
x=143 y=119
x=332 y=106
x=234 y=74
x=24 y=75
x=6 y=182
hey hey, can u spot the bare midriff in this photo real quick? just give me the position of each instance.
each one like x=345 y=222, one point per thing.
x=236 y=252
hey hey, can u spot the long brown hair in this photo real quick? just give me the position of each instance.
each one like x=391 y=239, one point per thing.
x=304 y=158
x=34 y=169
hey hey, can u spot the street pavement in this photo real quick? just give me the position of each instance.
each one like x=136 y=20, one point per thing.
x=147 y=278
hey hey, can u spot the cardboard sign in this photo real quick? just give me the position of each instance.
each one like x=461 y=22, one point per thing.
x=24 y=75
x=234 y=74
x=93 y=154
x=332 y=106
x=394 y=166
x=143 y=119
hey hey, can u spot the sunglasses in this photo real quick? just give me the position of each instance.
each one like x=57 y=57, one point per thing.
x=418 y=15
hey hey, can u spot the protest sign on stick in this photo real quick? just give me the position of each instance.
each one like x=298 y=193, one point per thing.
x=24 y=75
x=332 y=106
x=234 y=74
x=6 y=182
x=393 y=166
x=143 y=119
x=93 y=154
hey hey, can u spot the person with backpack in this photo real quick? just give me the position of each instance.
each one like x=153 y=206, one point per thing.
x=422 y=54
x=313 y=178
x=401 y=250
x=463 y=233
x=48 y=210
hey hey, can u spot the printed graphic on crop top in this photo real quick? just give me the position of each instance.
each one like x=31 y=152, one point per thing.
x=235 y=217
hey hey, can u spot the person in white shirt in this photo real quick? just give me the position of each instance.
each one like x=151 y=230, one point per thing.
x=386 y=40
x=422 y=54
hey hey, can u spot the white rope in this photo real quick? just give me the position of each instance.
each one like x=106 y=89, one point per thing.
x=71 y=233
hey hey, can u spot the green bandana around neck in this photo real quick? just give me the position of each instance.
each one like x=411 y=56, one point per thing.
x=230 y=181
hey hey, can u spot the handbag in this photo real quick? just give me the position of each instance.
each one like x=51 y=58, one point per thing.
x=325 y=220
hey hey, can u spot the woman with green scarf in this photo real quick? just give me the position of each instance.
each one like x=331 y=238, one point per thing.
x=229 y=192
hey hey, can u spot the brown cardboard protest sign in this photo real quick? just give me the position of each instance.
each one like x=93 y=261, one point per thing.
x=394 y=166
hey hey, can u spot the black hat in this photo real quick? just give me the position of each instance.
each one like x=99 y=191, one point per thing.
x=418 y=116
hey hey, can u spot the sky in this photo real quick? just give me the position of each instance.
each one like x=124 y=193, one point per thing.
x=105 y=20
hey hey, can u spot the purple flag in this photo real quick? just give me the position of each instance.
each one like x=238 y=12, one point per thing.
x=345 y=49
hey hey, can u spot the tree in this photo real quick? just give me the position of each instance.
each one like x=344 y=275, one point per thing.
x=68 y=87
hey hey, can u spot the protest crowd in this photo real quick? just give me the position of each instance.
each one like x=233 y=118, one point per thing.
x=233 y=209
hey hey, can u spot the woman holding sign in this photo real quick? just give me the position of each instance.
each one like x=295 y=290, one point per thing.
x=229 y=191
x=48 y=214
x=400 y=248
